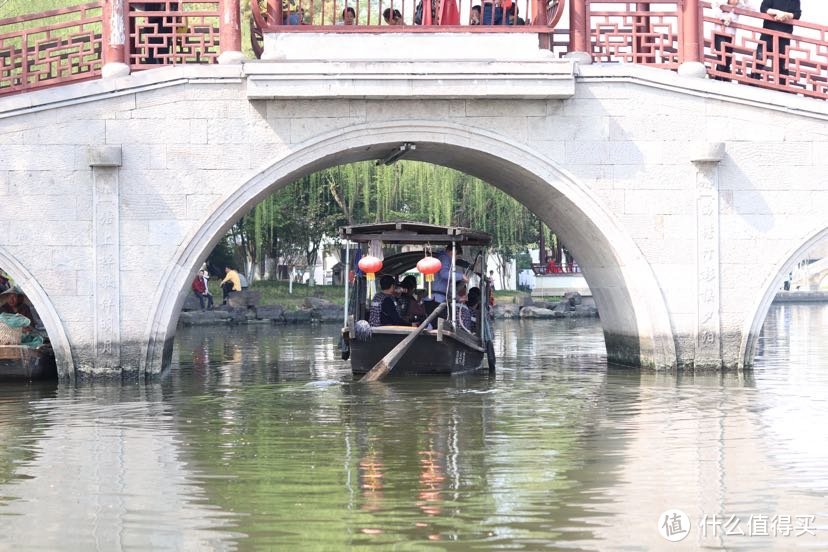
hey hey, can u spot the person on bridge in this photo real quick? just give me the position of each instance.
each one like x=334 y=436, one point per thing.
x=231 y=283
x=393 y=17
x=783 y=12
x=474 y=17
x=724 y=32
x=348 y=16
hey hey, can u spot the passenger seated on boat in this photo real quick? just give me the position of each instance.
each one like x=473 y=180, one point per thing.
x=464 y=314
x=15 y=303
x=384 y=305
x=411 y=310
x=473 y=303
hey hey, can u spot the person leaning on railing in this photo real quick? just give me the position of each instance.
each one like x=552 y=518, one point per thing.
x=291 y=13
x=348 y=16
x=724 y=32
x=783 y=12
x=393 y=17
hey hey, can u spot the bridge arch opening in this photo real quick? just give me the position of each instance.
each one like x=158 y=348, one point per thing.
x=43 y=309
x=762 y=305
x=634 y=318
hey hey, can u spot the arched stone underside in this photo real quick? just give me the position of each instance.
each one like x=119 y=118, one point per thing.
x=761 y=306
x=637 y=332
x=48 y=315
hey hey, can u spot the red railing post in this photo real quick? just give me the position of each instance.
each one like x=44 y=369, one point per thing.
x=113 y=33
x=230 y=31
x=690 y=41
x=539 y=8
x=690 y=31
x=579 y=31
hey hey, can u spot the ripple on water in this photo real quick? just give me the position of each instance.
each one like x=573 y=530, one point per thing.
x=259 y=438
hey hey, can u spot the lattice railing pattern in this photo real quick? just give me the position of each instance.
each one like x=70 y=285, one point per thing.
x=635 y=32
x=172 y=33
x=404 y=16
x=50 y=48
x=806 y=59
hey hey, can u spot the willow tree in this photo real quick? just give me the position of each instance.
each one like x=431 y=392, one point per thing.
x=290 y=225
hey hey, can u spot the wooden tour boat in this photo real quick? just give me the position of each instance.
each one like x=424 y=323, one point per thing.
x=22 y=363
x=443 y=348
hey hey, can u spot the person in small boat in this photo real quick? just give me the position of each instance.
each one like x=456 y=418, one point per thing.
x=384 y=310
x=464 y=314
x=15 y=303
x=411 y=310
x=440 y=287
x=473 y=303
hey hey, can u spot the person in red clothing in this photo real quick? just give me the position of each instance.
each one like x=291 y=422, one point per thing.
x=201 y=291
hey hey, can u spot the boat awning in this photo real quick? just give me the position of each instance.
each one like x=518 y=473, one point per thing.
x=403 y=262
x=414 y=233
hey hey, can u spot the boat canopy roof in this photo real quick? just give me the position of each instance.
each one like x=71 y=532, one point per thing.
x=403 y=262
x=414 y=233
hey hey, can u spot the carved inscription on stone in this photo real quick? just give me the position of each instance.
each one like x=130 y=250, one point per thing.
x=107 y=262
x=708 y=328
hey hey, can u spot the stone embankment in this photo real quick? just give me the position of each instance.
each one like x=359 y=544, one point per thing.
x=573 y=305
x=243 y=308
x=801 y=297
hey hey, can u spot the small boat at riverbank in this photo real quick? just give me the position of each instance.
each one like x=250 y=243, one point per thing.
x=22 y=363
x=445 y=347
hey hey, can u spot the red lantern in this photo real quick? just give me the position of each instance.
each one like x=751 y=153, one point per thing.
x=370 y=265
x=429 y=266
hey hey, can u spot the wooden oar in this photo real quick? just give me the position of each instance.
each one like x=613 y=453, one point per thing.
x=387 y=363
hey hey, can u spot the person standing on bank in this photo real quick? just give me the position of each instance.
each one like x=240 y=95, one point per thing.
x=231 y=283
x=783 y=12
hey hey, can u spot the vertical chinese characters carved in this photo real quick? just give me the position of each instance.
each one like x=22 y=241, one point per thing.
x=107 y=264
x=708 y=325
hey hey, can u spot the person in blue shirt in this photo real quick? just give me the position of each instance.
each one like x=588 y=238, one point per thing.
x=441 y=286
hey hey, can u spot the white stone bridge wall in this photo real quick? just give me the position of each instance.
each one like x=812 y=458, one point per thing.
x=685 y=202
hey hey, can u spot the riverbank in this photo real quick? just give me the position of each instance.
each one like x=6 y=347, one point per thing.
x=801 y=297
x=244 y=308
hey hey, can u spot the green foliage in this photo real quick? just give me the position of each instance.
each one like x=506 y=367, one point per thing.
x=290 y=225
x=523 y=260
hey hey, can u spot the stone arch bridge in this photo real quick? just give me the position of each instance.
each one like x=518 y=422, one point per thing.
x=685 y=201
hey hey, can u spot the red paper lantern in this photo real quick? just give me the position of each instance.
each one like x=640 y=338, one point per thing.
x=370 y=265
x=429 y=266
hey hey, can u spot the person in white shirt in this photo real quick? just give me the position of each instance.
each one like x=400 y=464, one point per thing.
x=724 y=32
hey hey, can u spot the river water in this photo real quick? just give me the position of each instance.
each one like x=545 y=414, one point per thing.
x=258 y=439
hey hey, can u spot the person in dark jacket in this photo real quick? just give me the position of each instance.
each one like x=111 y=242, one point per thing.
x=384 y=305
x=783 y=13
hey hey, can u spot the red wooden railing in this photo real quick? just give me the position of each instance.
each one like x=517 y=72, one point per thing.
x=172 y=32
x=54 y=47
x=647 y=33
x=73 y=44
x=806 y=60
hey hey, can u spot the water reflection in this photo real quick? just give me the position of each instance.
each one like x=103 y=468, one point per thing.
x=258 y=438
